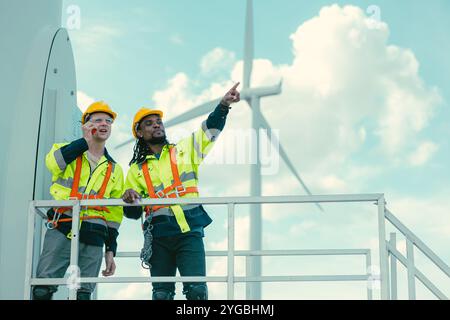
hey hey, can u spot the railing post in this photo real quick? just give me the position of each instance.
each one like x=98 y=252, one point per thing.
x=383 y=250
x=74 y=244
x=230 y=269
x=411 y=270
x=393 y=242
x=369 y=285
x=29 y=252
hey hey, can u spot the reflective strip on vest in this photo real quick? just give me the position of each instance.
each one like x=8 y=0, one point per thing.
x=181 y=218
x=168 y=212
x=197 y=148
x=176 y=209
x=99 y=221
x=211 y=134
x=67 y=183
x=76 y=181
x=95 y=221
x=113 y=225
x=186 y=176
x=60 y=159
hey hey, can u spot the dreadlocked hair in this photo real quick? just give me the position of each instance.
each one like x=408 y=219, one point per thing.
x=141 y=151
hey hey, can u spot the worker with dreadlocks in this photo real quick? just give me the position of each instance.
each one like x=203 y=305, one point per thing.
x=173 y=235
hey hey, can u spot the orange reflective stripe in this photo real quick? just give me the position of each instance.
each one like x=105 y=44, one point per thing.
x=148 y=180
x=76 y=177
x=81 y=218
x=97 y=208
x=150 y=189
x=174 y=167
x=102 y=190
x=188 y=190
x=76 y=182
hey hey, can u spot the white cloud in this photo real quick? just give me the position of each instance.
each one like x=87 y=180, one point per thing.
x=218 y=59
x=423 y=153
x=176 y=39
x=345 y=73
x=264 y=73
x=302 y=228
x=176 y=97
x=345 y=86
x=240 y=235
x=346 y=93
x=427 y=217
x=333 y=184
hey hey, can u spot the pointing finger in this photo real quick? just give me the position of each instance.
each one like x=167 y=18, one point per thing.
x=235 y=86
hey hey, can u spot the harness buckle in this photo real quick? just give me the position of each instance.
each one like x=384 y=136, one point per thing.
x=160 y=194
x=179 y=189
x=52 y=224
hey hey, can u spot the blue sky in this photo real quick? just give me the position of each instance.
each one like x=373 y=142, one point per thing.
x=364 y=109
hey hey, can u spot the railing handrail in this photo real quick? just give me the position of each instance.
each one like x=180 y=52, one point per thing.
x=338 y=277
x=417 y=242
x=281 y=252
x=231 y=278
x=215 y=200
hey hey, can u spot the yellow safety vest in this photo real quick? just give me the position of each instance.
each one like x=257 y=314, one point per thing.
x=174 y=174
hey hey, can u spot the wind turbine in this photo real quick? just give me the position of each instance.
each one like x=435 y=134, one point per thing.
x=253 y=97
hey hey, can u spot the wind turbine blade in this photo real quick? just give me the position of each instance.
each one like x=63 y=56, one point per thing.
x=247 y=94
x=191 y=114
x=248 y=45
x=120 y=145
x=286 y=159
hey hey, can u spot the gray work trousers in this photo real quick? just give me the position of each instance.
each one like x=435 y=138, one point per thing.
x=55 y=259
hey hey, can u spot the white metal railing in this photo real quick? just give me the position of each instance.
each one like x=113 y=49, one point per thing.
x=231 y=253
x=411 y=241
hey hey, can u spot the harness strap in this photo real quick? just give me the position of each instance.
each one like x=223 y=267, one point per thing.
x=177 y=186
x=55 y=223
x=76 y=178
x=75 y=185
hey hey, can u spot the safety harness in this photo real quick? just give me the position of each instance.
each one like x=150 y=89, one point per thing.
x=74 y=195
x=176 y=190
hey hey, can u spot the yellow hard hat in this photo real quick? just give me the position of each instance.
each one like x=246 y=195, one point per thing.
x=141 y=114
x=99 y=106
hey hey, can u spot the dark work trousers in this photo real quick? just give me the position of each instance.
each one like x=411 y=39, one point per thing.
x=185 y=252
x=55 y=259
